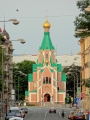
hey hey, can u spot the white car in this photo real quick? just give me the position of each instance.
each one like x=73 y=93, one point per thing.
x=16 y=118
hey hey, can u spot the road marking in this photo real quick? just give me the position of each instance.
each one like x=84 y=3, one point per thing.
x=60 y=114
x=45 y=115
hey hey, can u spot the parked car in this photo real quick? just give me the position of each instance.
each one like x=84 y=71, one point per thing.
x=79 y=116
x=14 y=109
x=25 y=110
x=52 y=110
x=16 y=118
x=9 y=115
x=69 y=115
x=19 y=114
x=22 y=113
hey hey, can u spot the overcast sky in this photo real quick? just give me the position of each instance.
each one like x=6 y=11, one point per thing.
x=32 y=15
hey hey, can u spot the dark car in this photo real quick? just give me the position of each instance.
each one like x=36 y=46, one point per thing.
x=25 y=110
x=9 y=115
x=52 y=110
x=79 y=116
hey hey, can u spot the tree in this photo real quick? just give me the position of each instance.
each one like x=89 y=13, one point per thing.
x=87 y=82
x=70 y=79
x=25 y=67
x=82 y=21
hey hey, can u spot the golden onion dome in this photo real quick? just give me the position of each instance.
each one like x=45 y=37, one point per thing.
x=46 y=25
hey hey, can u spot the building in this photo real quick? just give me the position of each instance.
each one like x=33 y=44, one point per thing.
x=85 y=57
x=7 y=68
x=47 y=83
x=65 y=60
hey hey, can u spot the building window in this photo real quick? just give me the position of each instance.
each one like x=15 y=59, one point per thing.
x=46 y=79
x=57 y=88
x=43 y=80
x=49 y=80
x=46 y=56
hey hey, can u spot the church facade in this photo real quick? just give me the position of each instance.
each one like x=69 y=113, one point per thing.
x=47 y=83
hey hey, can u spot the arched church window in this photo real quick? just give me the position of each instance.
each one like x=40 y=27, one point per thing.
x=49 y=79
x=46 y=79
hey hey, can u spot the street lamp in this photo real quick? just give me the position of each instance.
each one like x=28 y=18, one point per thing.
x=21 y=41
x=20 y=74
x=74 y=82
x=77 y=79
x=14 y=21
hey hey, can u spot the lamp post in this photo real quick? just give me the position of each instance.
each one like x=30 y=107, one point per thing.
x=14 y=21
x=77 y=79
x=72 y=73
x=74 y=83
x=20 y=73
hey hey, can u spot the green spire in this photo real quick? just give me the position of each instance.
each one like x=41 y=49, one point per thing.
x=46 y=43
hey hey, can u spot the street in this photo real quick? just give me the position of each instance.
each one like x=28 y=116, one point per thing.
x=40 y=113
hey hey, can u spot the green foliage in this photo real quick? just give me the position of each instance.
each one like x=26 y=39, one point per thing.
x=87 y=83
x=0 y=63
x=82 y=21
x=68 y=99
x=25 y=67
x=70 y=79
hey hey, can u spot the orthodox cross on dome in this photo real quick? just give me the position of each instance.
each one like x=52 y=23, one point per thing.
x=46 y=14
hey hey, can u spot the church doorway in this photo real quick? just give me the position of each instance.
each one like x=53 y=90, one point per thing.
x=46 y=98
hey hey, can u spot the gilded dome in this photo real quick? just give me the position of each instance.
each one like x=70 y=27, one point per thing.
x=46 y=25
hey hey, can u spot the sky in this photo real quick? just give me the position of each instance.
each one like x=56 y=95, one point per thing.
x=32 y=14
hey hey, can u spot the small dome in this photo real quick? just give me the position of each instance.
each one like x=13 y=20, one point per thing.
x=4 y=33
x=46 y=25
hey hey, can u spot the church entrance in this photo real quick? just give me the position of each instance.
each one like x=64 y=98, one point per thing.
x=46 y=98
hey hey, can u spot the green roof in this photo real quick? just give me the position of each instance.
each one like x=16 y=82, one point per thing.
x=34 y=67
x=61 y=90
x=33 y=91
x=46 y=43
x=51 y=70
x=41 y=70
x=26 y=93
x=53 y=64
x=30 y=77
x=40 y=65
x=59 y=67
x=63 y=77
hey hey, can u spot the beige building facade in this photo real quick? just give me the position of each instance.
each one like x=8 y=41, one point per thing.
x=65 y=60
x=85 y=60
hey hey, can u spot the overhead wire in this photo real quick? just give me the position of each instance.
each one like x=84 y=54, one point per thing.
x=43 y=16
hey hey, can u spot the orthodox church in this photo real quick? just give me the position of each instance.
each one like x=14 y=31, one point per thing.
x=47 y=83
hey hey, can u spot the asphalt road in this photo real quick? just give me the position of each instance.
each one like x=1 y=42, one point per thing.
x=38 y=113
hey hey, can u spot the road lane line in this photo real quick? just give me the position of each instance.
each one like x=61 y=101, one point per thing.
x=60 y=114
x=45 y=115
